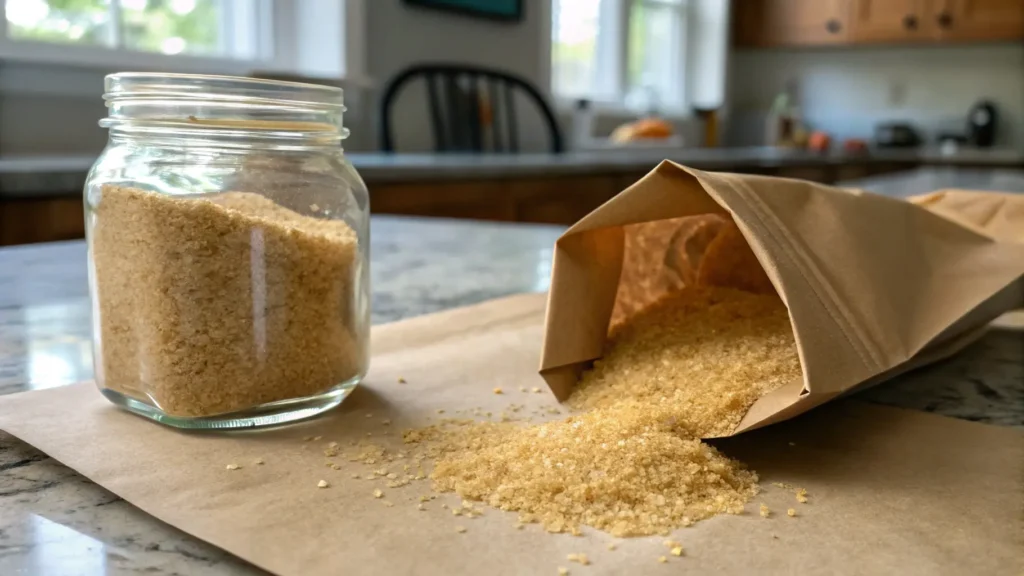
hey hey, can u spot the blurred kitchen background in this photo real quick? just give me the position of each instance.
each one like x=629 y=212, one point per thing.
x=826 y=90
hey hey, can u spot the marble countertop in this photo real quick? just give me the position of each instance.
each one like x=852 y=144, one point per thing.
x=34 y=175
x=53 y=521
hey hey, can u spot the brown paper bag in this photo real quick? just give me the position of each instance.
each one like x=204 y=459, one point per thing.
x=875 y=286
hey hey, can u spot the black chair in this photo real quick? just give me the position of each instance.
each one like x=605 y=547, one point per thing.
x=459 y=98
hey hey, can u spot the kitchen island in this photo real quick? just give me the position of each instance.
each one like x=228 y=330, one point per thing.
x=54 y=521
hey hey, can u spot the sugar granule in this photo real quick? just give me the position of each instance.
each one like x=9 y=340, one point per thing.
x=801 y=496
x=709 y=353
x=460 y=529
x=258 y=461
x=677 y=551
x=563 y=571
x=177 y=291
x=377 y=493
x=791 y=512
x=232 y=466
x=765 y=512
x=322 y=484
x=662 y=559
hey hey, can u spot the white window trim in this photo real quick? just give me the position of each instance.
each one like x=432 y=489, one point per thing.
x=283 y=37
x=618 y=107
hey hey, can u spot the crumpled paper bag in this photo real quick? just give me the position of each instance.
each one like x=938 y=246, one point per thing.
x=875 y=286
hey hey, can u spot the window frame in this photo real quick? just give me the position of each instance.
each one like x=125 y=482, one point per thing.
x=614 y=73
x=274 y=42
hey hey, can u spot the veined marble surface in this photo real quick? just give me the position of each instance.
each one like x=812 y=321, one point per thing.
x=55 y=522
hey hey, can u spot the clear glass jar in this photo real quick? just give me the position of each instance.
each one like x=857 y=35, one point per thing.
x=228 y=251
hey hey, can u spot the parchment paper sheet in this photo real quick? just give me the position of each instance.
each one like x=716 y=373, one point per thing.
x=891 y=491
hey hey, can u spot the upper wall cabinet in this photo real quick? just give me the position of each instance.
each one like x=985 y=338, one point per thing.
x=791 y=22
x=844 y=22
x=979 y=20
x=890 y=21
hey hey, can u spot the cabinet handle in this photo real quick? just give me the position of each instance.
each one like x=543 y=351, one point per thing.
x=945 y=19
x=833 y=26
x=910 y=22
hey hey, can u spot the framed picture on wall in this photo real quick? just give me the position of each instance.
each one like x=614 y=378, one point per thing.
x=509 y=10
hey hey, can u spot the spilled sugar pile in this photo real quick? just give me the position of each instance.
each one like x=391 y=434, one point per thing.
x=631 y=462
x=706 y=355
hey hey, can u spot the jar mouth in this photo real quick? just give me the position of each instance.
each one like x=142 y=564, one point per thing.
x=221 y=88
x=224 y=108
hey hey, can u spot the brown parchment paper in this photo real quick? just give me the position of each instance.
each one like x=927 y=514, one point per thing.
x=996 y=214
x=874 y=285
x=891 y=491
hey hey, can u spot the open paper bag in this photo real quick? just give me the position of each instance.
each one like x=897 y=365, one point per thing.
x=874 y=285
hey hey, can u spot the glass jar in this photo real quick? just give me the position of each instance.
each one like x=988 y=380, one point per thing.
x=228 y=251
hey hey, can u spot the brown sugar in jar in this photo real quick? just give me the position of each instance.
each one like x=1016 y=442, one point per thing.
x=219 y=308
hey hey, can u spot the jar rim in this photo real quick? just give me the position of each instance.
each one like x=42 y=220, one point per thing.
x=216 y=87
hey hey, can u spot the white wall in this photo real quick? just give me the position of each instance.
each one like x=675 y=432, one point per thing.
x=847 y=91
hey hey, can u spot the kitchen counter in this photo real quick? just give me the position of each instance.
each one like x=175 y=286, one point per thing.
x=53 y=521
x=31 y=176
x=924 y=180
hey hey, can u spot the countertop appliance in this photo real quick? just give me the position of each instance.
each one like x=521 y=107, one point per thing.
x=896 y=135
x=981 y=124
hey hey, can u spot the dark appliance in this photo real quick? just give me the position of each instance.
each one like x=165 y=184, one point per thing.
x=981 y=124
x=896 y=135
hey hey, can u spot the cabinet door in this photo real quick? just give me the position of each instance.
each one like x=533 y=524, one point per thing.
x=792 y=22
x=979 y=20
x=891 y=21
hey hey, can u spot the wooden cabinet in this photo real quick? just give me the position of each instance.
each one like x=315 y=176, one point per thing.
x=24 y=221
x=845 y=22
x=979 y=20
x=791 y=22
x=891 y=21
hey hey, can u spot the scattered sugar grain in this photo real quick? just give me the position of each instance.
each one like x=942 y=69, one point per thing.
x=791 y=512
x=612 y=546
x=563 y=571
x=460 y=529
x=378 y=494
x=322 y=484
x=677 y=551
x=498 y=390
x=232 y=466
x=801 y=496
x=662 y=559
x=765 y=512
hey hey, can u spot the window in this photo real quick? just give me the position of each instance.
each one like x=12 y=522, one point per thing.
x=215 y=28
x=628 y=52
x=310 y=37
